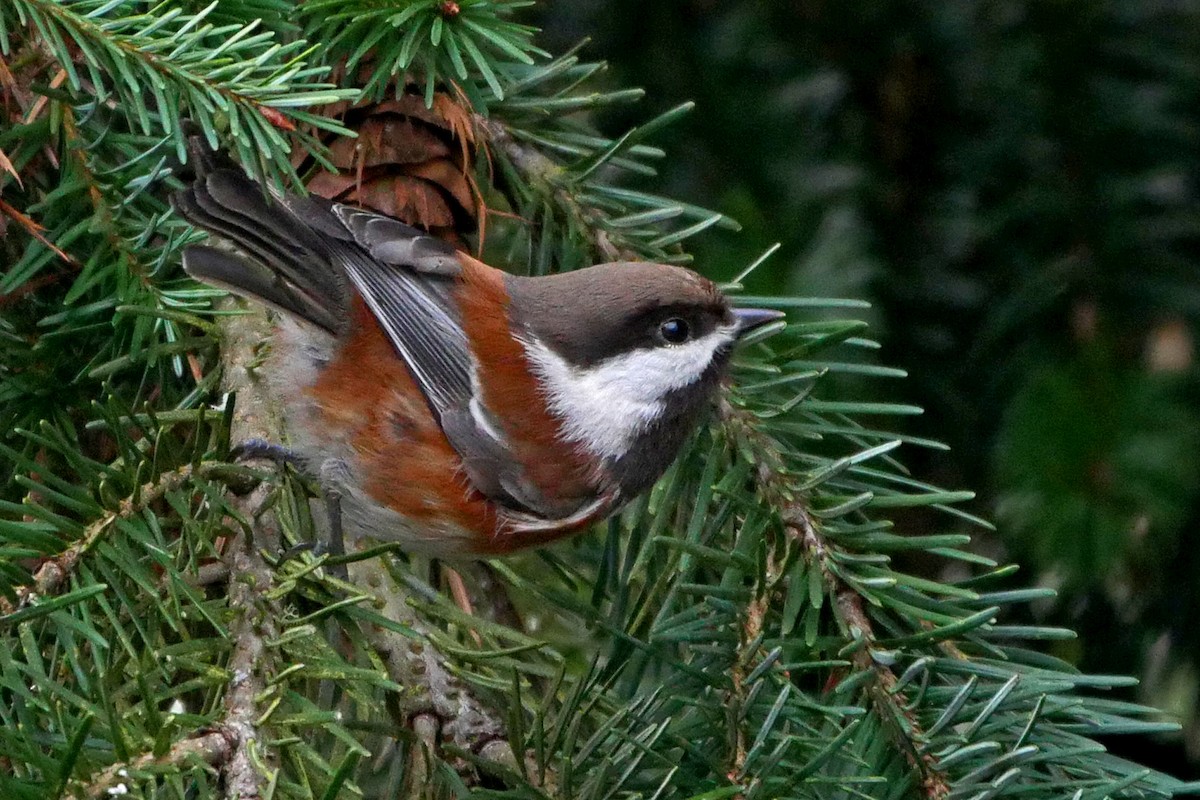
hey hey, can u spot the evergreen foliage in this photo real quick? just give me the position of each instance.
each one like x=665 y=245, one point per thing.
x=752 y=628
x=1012 y=184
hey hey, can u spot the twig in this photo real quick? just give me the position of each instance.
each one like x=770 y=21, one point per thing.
x=255 y=621
x=543 y=172
x=804 y=531
x=212 y=747
x=853 y=617
x=35 y=230
x=255 y=614
x=53 y=573
x=164 y=66
x=42 y=100
x=102 y=206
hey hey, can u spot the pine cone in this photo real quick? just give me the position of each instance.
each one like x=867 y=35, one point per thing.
x=408 y=161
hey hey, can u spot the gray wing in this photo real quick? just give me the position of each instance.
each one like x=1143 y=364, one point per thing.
x=406 y=278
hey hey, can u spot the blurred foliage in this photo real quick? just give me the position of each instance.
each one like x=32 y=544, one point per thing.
x=1013 y=184
x=1102 y=492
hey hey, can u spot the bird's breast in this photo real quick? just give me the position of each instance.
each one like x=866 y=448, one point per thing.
x=358 y=419
x=360 y=422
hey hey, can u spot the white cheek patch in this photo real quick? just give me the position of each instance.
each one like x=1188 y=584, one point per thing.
x=604 y=406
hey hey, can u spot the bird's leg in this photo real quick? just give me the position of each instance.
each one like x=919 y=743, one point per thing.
x=337 y=541
x=333 y=475
x=335 y=546
x=262 y=449
x=458 y=589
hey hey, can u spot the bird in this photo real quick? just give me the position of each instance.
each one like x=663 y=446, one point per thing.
x=454 y=408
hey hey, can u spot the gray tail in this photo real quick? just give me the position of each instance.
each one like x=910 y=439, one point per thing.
x=283 y=257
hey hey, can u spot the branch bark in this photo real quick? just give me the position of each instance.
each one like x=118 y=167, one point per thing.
x=213 y=747
x=255 y=614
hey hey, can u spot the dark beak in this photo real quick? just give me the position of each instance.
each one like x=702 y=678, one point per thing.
x=749 y=319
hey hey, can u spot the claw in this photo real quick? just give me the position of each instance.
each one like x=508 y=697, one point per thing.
x=261 y=448
x=295 y=550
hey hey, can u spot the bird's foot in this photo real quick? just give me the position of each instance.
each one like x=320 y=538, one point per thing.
x=262 y=449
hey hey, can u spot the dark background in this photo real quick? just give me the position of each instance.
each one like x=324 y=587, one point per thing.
x=1013 y=185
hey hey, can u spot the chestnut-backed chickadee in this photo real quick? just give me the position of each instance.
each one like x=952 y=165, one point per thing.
x=453 y=407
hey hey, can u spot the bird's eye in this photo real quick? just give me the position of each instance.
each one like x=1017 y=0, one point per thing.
x=675 y=331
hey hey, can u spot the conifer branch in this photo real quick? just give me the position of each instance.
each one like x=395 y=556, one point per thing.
x=543 y=173
x=213 y=747
x=256 y=615
x=54 y=572
x=415 y=663
x=889 y=703
x=102 y=201
x=163 y=67
x=255 y=621
x=134 y=39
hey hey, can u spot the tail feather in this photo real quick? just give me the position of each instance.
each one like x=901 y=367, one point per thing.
x=197 y=208
x=242 y=276
x=229 y=205
x=289 y=265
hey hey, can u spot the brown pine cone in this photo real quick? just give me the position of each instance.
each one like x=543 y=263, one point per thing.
x=411 y=162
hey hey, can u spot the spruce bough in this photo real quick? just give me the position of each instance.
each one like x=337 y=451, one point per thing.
x=745 y=630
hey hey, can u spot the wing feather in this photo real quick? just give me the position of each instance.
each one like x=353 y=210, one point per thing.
x=419 y=318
